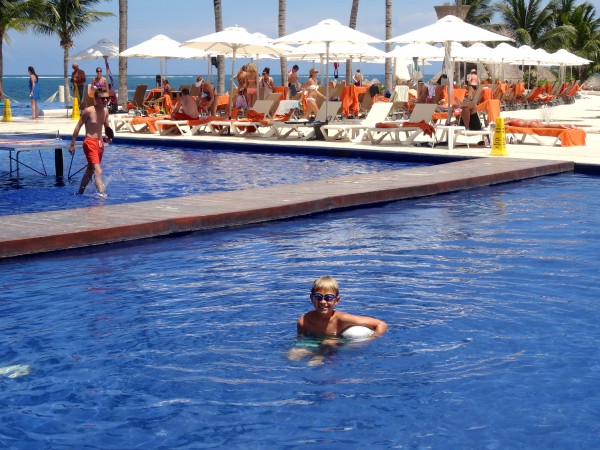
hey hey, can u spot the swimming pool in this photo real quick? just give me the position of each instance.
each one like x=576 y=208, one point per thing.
x=137 y=172
x=491 y=296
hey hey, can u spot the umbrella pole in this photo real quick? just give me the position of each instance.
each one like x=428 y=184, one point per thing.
x=112 y=83
x=327 y=82
x=450 y=75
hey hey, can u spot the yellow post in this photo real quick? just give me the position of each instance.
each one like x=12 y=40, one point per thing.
x=499 y=139
x=75 y=115
x=7 y=111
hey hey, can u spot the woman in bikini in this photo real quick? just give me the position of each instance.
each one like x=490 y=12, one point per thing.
x=311 y=93
x=251 y=76
x=99 y=81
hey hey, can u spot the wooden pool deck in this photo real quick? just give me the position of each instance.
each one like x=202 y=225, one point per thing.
x=26 y=234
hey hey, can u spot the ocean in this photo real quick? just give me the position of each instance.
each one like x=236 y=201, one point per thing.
x=16 y=88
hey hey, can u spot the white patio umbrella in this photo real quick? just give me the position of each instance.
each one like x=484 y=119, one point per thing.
x=328 y=32
x=414 y=52
x=104 y=48
x=503 y=53
x=565 y=58
x=446 y=30
x=164 y=48
x=234 y=41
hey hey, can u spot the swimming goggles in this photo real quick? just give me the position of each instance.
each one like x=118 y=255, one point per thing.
x=328 y=297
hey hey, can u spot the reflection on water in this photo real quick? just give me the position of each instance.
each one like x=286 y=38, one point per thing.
x=137 y=173
x=490 y=296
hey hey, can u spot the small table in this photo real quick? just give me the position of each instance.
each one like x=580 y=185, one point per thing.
x=16 y=147
x=449 y=133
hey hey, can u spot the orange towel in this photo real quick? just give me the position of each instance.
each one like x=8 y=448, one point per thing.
x=350 y=100
x=492 y=107
x=149 y=121
x=385 y=125
x=427 y=129
x=569 y=137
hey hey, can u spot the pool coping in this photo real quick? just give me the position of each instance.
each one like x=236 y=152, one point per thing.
x=33 y=233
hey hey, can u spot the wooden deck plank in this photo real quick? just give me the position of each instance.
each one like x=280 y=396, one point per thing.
x=49 y=231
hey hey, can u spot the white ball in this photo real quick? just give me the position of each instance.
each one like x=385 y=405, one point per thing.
x=357 y=332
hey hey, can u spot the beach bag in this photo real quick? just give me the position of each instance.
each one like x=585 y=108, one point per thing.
x=240 y=102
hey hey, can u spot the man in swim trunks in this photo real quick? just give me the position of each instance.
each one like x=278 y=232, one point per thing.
x=186 y=107
x=94 y=118
x=325 y=322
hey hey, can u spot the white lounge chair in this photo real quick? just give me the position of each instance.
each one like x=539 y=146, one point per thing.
x=422 y=112
x=221 y=127
x=304 y=128
x=265 y=128
x=356 y=131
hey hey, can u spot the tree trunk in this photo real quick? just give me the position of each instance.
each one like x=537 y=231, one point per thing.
x=388 y=46
x=66 y=74
x=122 y=95
x=220 y=58
x=457 y=10
x=352 y=24
x=281 y=32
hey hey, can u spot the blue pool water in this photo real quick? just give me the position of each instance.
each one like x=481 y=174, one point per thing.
x=136 y=173
x=491 y=296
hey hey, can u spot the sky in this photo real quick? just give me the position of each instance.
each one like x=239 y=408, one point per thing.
x=187 y=19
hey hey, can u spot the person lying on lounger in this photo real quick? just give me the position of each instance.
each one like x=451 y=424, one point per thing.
x=521 y=123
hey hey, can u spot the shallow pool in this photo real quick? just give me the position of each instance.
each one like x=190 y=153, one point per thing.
x=491 y=296
x=136 y=173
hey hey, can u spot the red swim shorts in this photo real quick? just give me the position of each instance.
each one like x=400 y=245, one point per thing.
x=93 y=149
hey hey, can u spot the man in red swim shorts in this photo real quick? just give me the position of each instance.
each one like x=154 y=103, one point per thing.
x=94 y=118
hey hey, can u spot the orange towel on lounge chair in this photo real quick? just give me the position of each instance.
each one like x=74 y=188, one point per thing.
x=149 y=121
x=386 y=125
x=350 y=100
x=427 y=129
x=569 y=137
x=492 y=107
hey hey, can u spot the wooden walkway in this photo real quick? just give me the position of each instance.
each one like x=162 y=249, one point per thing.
x=57 y=230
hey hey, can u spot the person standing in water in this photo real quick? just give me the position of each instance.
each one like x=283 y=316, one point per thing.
x=94 y=118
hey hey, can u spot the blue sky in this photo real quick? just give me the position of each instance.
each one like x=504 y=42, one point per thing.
x=186 y=19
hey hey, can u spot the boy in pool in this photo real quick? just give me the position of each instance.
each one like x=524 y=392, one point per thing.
x=325 y=322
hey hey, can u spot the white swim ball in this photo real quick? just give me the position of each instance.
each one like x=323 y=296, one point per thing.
x=357 y=332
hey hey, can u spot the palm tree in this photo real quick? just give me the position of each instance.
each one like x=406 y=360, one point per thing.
x=388 y=45
x=480 y=13
x=577 y=29
x=280 y=33
x=122 y=47
x=352 y=24
x=525 y=22
x=15 y=15
x=66 y=19
x=220 y=59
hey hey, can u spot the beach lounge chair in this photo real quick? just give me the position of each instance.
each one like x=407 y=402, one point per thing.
x=567 y=137
x=221 y=127
x=356 y=131
x=304 y=128
x=138 y=96
x=419 y=122
x=256 y=125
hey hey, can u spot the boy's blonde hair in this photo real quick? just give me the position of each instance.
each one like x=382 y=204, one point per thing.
x=325 y=283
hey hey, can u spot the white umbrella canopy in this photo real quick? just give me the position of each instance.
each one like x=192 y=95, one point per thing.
x=327 y=31
x=446 y=30
x=565 y=58
x=104 y=48
x=164 y=48
x=234 y=41
x=419 y=50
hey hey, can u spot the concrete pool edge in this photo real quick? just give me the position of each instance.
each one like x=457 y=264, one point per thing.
x=27 y=234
